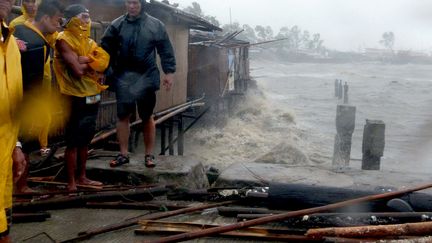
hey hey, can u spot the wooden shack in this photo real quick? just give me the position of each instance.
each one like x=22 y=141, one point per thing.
x=218 y=67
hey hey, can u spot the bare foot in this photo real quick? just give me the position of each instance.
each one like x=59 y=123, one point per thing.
x=72 y=187
x=88 y=182
x=24 y=190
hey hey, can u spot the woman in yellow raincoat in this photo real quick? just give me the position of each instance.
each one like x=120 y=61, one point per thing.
x=10 y=97
x=28 y=8
x=78 y=65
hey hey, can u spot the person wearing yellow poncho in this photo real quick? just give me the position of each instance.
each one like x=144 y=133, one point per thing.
x=10 y=98
x=78 y=64
x=29 y=10
x=35 y=51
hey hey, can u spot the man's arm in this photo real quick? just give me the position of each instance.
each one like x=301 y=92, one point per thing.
x=109 y=42
x=166 y=52
x=167 y=81
x=167 y=57
x=19 y=163
x=77 y=64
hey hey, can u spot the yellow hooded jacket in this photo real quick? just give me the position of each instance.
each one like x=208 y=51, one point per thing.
x=77 y=36
x=10 y=97
x=22 y=18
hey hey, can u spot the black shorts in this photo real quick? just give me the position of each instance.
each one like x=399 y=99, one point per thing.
x=145 y=104
x=29 y=146
x=9 y=222
x=81 y=125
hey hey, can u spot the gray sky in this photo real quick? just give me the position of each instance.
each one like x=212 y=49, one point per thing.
x=343 y=24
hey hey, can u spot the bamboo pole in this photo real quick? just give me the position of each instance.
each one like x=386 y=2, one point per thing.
x=80 y=200
x=252 y=233
x=347 y=219
x=169 y=115
x=282 y=216
x=136 y=205
x=163 y=114
x=372 y=231
x=127 y=223
x=234 y=211
x=80 y=191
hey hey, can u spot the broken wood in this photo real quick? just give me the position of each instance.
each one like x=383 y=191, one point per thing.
x=348 y=219
x=30 y=217
x=417 y=229
x=234 y=211
x=252 y=233
x=131 y=222
x=153 y=205
x=106 y=188
x=57 y=183
x=283 y=216
x=205 y=194
x=248 y=216
x=80 y=200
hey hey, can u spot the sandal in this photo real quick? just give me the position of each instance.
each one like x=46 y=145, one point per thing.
x=149 y=161
x=119 y=160
x=44 y=151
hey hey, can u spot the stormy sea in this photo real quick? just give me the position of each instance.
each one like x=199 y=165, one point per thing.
x=290 y=116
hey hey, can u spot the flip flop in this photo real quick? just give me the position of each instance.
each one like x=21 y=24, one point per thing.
x=119 y=160
x=149 y=161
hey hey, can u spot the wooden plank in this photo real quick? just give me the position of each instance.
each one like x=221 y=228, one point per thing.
x=256 y=233
x=417 y=229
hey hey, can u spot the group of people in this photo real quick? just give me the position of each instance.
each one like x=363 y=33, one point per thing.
x=125 y=59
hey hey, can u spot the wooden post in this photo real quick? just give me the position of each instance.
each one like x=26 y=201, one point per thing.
x=345 y=123
x=345 y=93
x=170 y=137
x=163 y=138
x=373 y=144
x=180 y=136
x=336 y=88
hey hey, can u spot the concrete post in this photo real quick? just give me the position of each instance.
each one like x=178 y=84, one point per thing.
x=345 y=123
x=163 y=138
x=170 y=137
x=340 y=89
x=180 y=136
x=336 y=88
x=373 y=144
x=345 y=93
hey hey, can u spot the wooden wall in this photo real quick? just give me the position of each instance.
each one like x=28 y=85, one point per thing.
x=208 y=71
x=179 y=35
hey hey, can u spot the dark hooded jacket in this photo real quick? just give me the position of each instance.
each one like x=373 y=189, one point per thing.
x=132 y=44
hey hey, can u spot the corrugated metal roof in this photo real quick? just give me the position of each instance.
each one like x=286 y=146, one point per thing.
x=195 y=22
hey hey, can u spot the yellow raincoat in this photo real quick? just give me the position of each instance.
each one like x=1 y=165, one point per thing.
x=43 y=108
x=22 y=18
x=77 y=36
x=10 y=97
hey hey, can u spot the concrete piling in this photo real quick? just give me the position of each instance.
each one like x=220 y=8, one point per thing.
x=345 y=123
x=336 y=88
x=340 y=90
x=373 y=144
x=345 y=93
x=180 y=136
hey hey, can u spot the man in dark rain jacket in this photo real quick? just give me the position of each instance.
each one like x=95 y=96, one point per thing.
x=132 y=41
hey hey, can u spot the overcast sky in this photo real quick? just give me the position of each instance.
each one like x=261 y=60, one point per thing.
x=343 y=24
